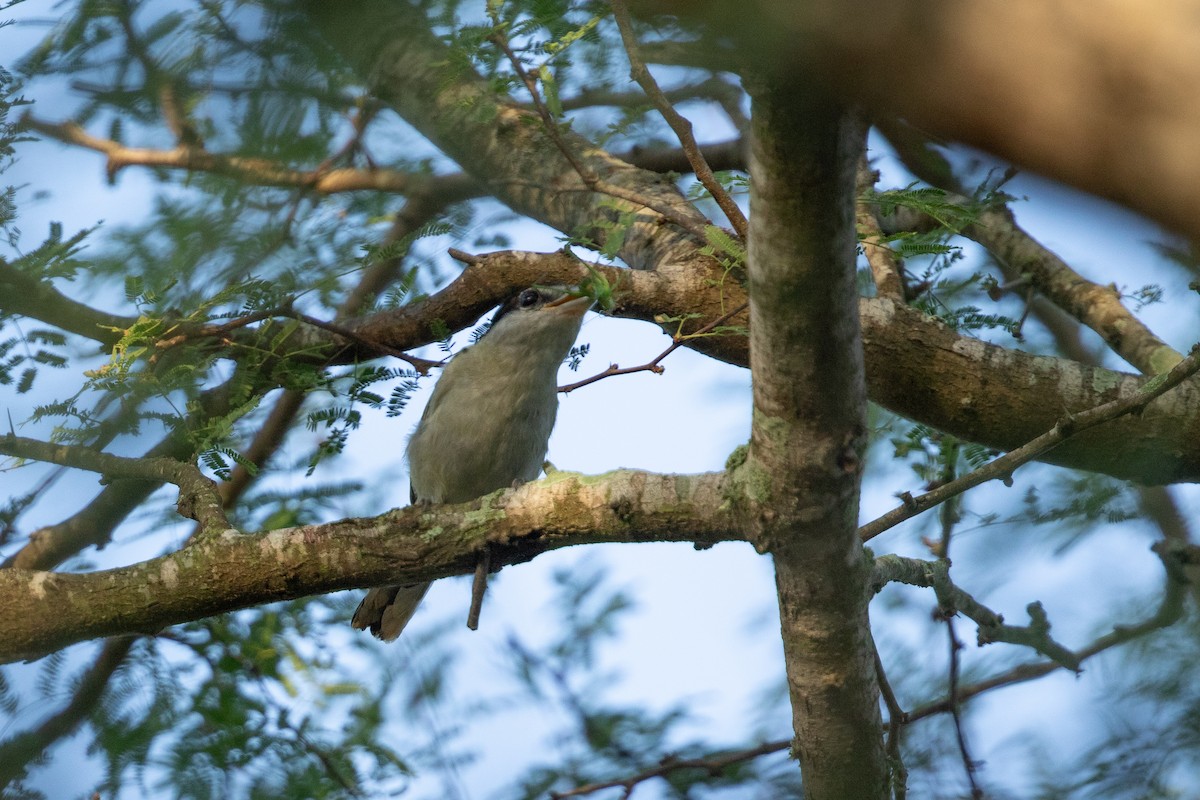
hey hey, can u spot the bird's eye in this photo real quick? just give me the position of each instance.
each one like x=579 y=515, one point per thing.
x=528 y=298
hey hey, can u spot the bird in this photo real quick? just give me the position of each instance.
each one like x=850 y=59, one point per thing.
x=487 y=425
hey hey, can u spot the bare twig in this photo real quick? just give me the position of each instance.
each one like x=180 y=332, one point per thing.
x=655 y=364
x=897 y=719
x=678 y=123
x=715 y=88
x=1169 y=612
x=421 y=365
x=259 y=171
x=590 y=179
x=947 y=611
x=1003 y=467
x=952 y=599
x=960 y=736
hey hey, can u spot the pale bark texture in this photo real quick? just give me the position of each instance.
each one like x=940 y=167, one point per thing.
x=47 y=611
x=801 y=478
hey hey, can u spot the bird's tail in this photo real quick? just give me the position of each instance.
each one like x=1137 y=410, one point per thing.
x=387 y=609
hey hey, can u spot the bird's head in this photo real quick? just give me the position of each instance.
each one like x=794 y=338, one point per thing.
x=540 y=319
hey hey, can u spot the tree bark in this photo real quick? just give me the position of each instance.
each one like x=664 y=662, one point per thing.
x=801 y=478
x=46 y=611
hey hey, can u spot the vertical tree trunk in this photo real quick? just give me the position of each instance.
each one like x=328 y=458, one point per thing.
x=801 y=479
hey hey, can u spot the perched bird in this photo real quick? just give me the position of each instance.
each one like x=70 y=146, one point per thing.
x=487 y=425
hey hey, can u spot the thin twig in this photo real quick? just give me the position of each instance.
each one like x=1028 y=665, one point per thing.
x=421 y=365
x=897 y=719
x=1003 y=467
x=258 y=171
x=1169 y=612
x=590 y=179
x=956 y=708
x=655 y=364
x=678 y=123
x=206 y=331
x=949 y=516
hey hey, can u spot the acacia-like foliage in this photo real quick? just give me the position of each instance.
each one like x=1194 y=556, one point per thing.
x=328 y=191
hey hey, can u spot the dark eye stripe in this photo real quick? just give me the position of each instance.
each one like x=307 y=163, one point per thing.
x=517 y=301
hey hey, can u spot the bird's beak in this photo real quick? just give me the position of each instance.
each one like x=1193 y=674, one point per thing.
x=571 y=305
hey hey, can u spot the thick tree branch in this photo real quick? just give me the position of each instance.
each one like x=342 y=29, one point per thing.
x=1026 y=262
x=29 y=297
x=1005 y=398
x=1003 y=467
x=1106 y=99
x=916 y=366
x=47 y=611
x=506 y=146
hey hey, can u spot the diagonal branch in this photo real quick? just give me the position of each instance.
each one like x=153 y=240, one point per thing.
x=1003 y=467
x=1026 y=261
x=1170 y=610
x=17 y=752
x=505 y=145
x=679 y=124
x=28 y=296
x=590 y=177
x=953 y=600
